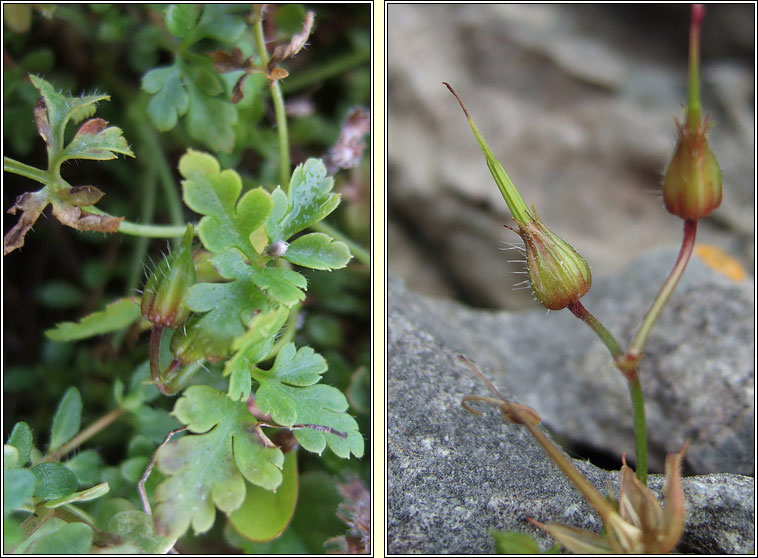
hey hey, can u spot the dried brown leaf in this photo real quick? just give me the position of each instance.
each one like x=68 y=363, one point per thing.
x=92 y=127
x=40 y=119
x=31 y=205
x=75 y=218
x=229 y=62
x=296 y=44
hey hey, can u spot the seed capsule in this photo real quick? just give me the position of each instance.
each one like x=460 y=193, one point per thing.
x=692 y=183
x=557 y=273
x=163 y=297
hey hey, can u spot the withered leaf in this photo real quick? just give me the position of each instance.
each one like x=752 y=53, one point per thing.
x=277 y=73
x=81 y=195
x=40 y=118
x=75 y=218
x=296 y=44
x=31 y=205
x=226 y=62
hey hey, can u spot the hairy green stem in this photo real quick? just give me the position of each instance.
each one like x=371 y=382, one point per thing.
x=629 y=370
x=578 y=309
x=360 y=253
x=33 y=173
x=94 y=428
x=688 y=243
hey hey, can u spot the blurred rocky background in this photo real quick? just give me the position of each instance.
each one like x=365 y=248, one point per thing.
x=578 y=102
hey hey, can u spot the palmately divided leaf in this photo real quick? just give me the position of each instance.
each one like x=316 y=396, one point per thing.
x=227 y=222
x=137 y=527
x=282 y=285
x=208 y=469
x=229 y=306
x=318 y=251
x=251 y=348
x=96 y=140
x=310 y=199
x=59 y=109
x=117 y=315
x=170 y=99
x=210 y=120
x=284 y=393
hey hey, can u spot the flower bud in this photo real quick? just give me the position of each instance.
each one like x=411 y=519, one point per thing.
x=557 y=273
x=692 y=183
x=163 y=297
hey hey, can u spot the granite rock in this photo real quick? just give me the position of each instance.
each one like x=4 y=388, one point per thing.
x=453 y=475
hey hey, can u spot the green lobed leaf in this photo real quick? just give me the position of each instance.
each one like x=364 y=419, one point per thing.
x=309 y=200
x=181 y=19
x=228 y=221
x=282 y=285
x=137 y=527
x=228 y=306
x=53 y=481
x=217 y=23
x=18 y=488
x=60 y=109
x=117 y=315
x=301 y=367
x=248 y=520
x=251 y=348
x=98 y=141
x=209 y=468
x=318 y=251
x=210 y=120
x=21 y=438
x=67 y=419
x=170 y=99
x=284 y=396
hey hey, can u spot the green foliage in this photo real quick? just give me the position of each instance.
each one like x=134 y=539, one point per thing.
x=279 y=506
x=309 y=200
x=240 y=338
x=117 y=315
x=53 y=481
x=67 y=418
x=189 y=494
x=191 y=86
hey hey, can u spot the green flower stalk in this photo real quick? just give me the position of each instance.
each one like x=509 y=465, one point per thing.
x=558 y=275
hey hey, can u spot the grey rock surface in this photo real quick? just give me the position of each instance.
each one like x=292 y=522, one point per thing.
x=580 y=111
x=453 y=475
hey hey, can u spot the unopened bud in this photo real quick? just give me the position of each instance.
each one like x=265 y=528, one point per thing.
x=692 y=183
x=163 y=297
x=557 y=273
